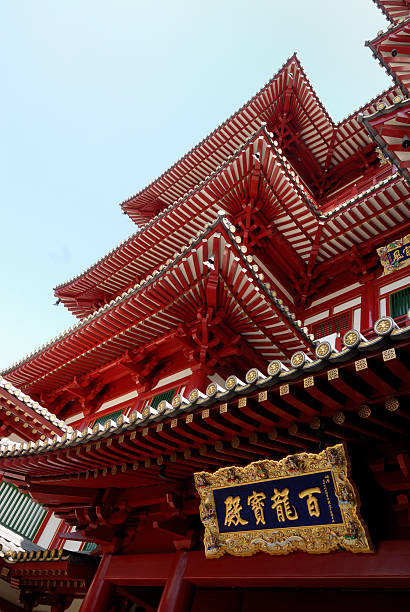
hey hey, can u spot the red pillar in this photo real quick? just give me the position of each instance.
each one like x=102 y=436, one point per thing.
x=99 y=593
x=368 y=306
x=177 y=593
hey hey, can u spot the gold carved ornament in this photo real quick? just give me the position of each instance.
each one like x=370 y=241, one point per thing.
x=349 y=532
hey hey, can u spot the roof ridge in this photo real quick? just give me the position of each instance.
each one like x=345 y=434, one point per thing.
x=373 y=100
x=293 y=58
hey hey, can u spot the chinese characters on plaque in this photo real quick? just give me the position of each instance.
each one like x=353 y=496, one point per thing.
x=395 y=255
x=302 y=502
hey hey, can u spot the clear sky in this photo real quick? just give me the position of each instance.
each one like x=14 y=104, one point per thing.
x=100 y=96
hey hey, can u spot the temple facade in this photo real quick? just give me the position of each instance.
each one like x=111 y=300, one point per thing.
x=260 y=312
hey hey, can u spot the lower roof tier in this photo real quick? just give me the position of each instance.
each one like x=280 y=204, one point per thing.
x=359 y=392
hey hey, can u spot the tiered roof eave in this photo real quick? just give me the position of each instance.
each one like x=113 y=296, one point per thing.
x=113 y=262
x=27 y=417
x=393 y=10
x=95 y=279
x=31 y=370
x=126 y=205
x=38 y=459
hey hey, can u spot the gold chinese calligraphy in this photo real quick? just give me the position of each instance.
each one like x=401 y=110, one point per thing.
x=275 y=507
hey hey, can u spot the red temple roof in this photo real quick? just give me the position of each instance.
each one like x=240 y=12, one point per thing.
x=168 y=231
x=287 y=95
x=310 y=117
x=25 y=417
x=286 y=204
x=394 y=9
x=365 y=372
x=154 y=309
x=390 y=128
x=392 y=49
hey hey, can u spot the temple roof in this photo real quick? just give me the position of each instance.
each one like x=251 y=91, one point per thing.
x=364 y=374
x=394 y=9
x=311 y=120
x=368 y=217
x=167 y=299
x=286 y=204
x=288 y=96
x=46 y=575
x=297 y=214
x=388 y=127
x=25 y=417
x=392 y=49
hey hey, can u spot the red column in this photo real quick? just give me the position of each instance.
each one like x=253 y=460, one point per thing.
x=99 y=593
x=177 y=593
x=368 y=306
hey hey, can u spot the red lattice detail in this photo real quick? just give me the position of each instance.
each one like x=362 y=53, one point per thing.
x=332 y=325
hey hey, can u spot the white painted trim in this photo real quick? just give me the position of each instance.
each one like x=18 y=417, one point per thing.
x=74 y=418
x=402 y=282
x=335 y=294
x=331 y=338
x=357 y=317
x=173 y=378
x=118 y=400
x=347 y=305
x=49 y=531
x=73 y=545
x=382 y=307
x=316 y=317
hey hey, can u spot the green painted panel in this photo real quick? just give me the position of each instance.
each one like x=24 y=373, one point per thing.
x=166 y=395
x=103 y=419
x=19 y=512
x=400 y=302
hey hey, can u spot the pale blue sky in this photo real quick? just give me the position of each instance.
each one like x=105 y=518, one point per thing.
x=99 y=97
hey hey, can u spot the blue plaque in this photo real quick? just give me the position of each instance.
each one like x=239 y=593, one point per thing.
x=303 y=501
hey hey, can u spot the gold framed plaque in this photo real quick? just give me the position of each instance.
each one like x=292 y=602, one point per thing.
x=301 y=502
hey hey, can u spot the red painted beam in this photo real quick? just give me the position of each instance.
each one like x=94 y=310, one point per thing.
x=388 y=567
x=139 y=570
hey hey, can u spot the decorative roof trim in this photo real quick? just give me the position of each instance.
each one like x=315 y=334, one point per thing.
x=367 y=119
x=14 y=393
x=387 y=332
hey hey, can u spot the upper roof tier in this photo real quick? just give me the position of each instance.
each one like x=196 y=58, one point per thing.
x=394 y=9
x=286 y=203
x=192 y=205
x=287 y=98
x=288 y=92
x=392 y=49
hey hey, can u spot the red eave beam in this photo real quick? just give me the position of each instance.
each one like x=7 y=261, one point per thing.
x=388 y=567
